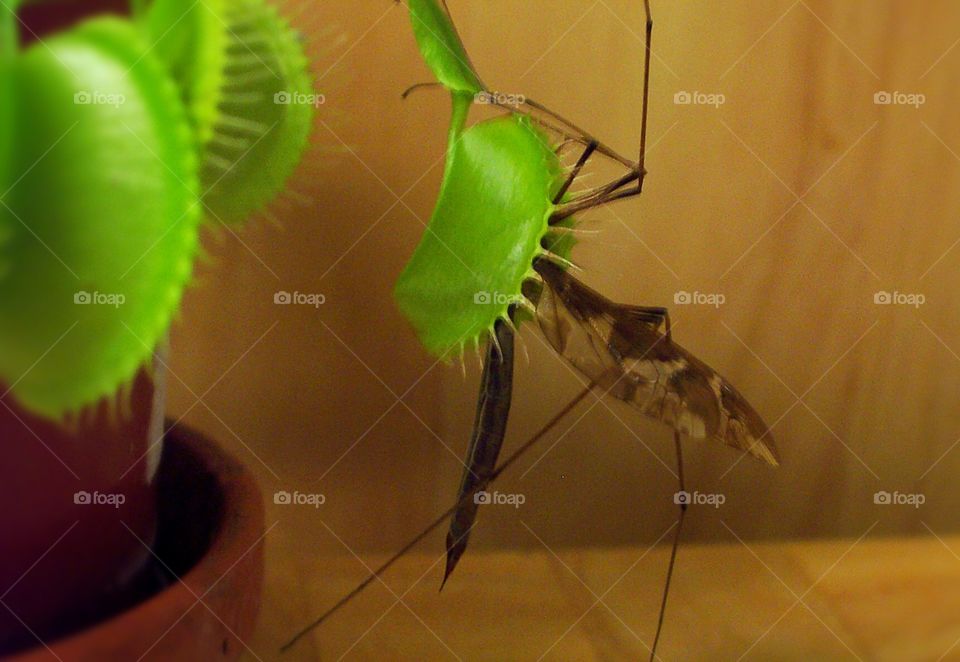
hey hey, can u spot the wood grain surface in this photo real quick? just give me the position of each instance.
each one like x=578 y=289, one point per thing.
x=798 y=198
x=876 y=599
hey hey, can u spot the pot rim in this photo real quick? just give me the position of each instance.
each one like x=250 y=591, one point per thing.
x=239 y=534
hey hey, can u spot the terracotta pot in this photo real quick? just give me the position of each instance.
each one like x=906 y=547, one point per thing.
x=74 y=541
x=210 y=536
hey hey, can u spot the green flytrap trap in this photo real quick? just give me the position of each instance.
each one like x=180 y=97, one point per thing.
x=498 y=252
x=121 y=138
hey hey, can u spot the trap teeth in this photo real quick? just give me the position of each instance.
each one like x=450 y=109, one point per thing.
x=191 y=41
x=265 y=113
x=244 y=76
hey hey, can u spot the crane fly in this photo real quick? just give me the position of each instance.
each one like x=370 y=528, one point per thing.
x=623 y=350
x=626 y=351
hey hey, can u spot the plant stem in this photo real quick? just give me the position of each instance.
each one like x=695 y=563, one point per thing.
x=440 y=519
x=461 y=103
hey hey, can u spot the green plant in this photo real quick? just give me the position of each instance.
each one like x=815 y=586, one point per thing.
x=129 y=146
x=491 y=221
x=487 y=229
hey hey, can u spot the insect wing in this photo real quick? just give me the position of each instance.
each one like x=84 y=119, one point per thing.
x=623 y=350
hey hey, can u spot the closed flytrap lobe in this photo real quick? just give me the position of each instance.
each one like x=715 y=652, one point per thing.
x=497 y=253
x=246 y=81
x=103 y=197
x=101 y=223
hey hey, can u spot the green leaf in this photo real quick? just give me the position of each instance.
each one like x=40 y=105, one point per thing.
x=102 y=220
x=491 y=215
x=441 y=47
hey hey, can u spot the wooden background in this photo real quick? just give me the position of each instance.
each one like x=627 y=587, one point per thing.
x=798 y=199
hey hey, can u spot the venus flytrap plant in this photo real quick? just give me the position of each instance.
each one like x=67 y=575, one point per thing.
x=128 y=146
x=444 y=53
x=265 y=116
x=192 y=43
x=491 y=221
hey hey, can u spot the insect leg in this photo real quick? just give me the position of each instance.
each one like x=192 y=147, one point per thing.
x=612 y=192
x=646 y=96
x=600 y=196
x=638 y=171
x=378 y=573
x=676 y=543
x=582 y=161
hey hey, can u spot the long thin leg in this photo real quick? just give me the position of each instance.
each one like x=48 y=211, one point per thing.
x=607 y=151
x=598 y=198
x=673 y=551
x=568 y=131
x=638 y=169
x=617 y=184
x=374 y=575
x=582 y=161
x=646 y=96
x=420 y=86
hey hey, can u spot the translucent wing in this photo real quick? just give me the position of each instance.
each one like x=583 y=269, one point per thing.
x=623 y=350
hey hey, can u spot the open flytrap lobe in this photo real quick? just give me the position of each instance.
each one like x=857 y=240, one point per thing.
x=497 y=253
